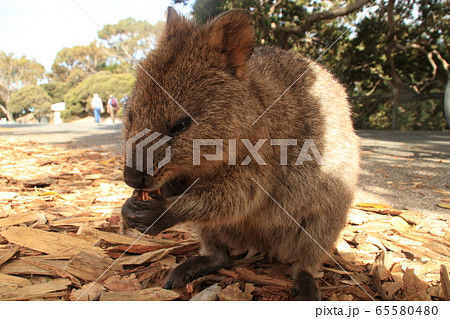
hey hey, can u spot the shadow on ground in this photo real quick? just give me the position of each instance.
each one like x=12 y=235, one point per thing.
x=407 y=170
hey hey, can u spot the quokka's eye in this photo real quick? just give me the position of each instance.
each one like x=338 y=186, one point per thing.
x=130 y=116
x=181 y=126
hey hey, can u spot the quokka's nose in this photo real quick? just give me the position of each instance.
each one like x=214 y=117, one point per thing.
x=133 y=177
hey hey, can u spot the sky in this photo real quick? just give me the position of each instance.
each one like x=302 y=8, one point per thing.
x=39 y=29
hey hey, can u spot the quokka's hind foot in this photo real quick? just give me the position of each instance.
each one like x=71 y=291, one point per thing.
x=193 y=268
x=305 y=287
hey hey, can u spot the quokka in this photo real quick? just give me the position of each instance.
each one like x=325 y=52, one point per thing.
x=211 y=82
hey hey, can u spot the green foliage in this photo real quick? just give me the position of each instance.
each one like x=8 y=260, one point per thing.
x=354 y=48
x=204 y=10
x=420 y=30
x=130 y=39
x=31 y=98
x=104 y=83
x=56 y=90
x=74 y=64
x=17 y=72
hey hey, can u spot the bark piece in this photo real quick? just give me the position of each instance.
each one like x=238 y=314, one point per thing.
x=36 y=291
x=149 y=294
x=141 y=249
x=7 y=252
x=381 y=292
x=92 y=268
x=58 y=268
x=76 y=221
x=37 y=182
x=391 y=288
x=88 y=292
x=117 y=239
x=445 y=282
x=415 y=289
x=123 y=284
x=249 y=276
x=227 y=273
x=21 y=267
x=12 y=220
x=145 y=258
x=49 y=242
x=14 y=280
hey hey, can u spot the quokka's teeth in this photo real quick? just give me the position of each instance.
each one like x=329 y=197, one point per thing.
x=145 y=195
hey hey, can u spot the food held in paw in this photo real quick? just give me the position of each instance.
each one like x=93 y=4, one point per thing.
x=145 y=195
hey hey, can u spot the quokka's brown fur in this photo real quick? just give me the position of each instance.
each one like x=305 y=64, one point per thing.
x=215 y=73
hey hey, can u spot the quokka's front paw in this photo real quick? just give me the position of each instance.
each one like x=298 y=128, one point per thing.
x=191 y=269
x=150 y=217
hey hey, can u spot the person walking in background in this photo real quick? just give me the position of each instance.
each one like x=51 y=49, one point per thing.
x=97 y=106
x=112 y=108
x=124 y=102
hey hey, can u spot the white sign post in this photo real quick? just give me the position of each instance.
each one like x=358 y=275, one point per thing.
x=57 y=108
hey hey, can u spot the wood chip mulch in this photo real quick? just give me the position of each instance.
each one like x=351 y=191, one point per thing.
x=61 y=238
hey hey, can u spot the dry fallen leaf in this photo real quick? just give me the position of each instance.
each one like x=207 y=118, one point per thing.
x=122 y=284
x=415 y=289
x=382 y=265
x=373 y=205
x=233 y=293
x=444 y=205
x=400 y=224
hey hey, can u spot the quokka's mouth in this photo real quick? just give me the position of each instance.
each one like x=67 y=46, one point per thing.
x=174 y=187
x=145 y=195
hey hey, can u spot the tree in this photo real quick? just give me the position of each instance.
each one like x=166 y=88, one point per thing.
x=18 y=72
x=129 y=39
x=400 y=69
x=204 y=10
x=74 y=64
x=4 y=110
x=57 y=90
x=14 y=74
x=284 y=23
x=31 y=98
x=103 y=83
x=392 y=58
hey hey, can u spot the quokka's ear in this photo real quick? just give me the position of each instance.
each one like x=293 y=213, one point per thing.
x=174 y=22
x=172 y=16
x=232 y=34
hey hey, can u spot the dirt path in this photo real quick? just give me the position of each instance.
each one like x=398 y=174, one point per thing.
x=407 y=170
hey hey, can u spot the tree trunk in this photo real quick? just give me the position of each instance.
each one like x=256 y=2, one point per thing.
x=318 y=16
x=396 y=82
x=7 y=113
x=395 y=104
